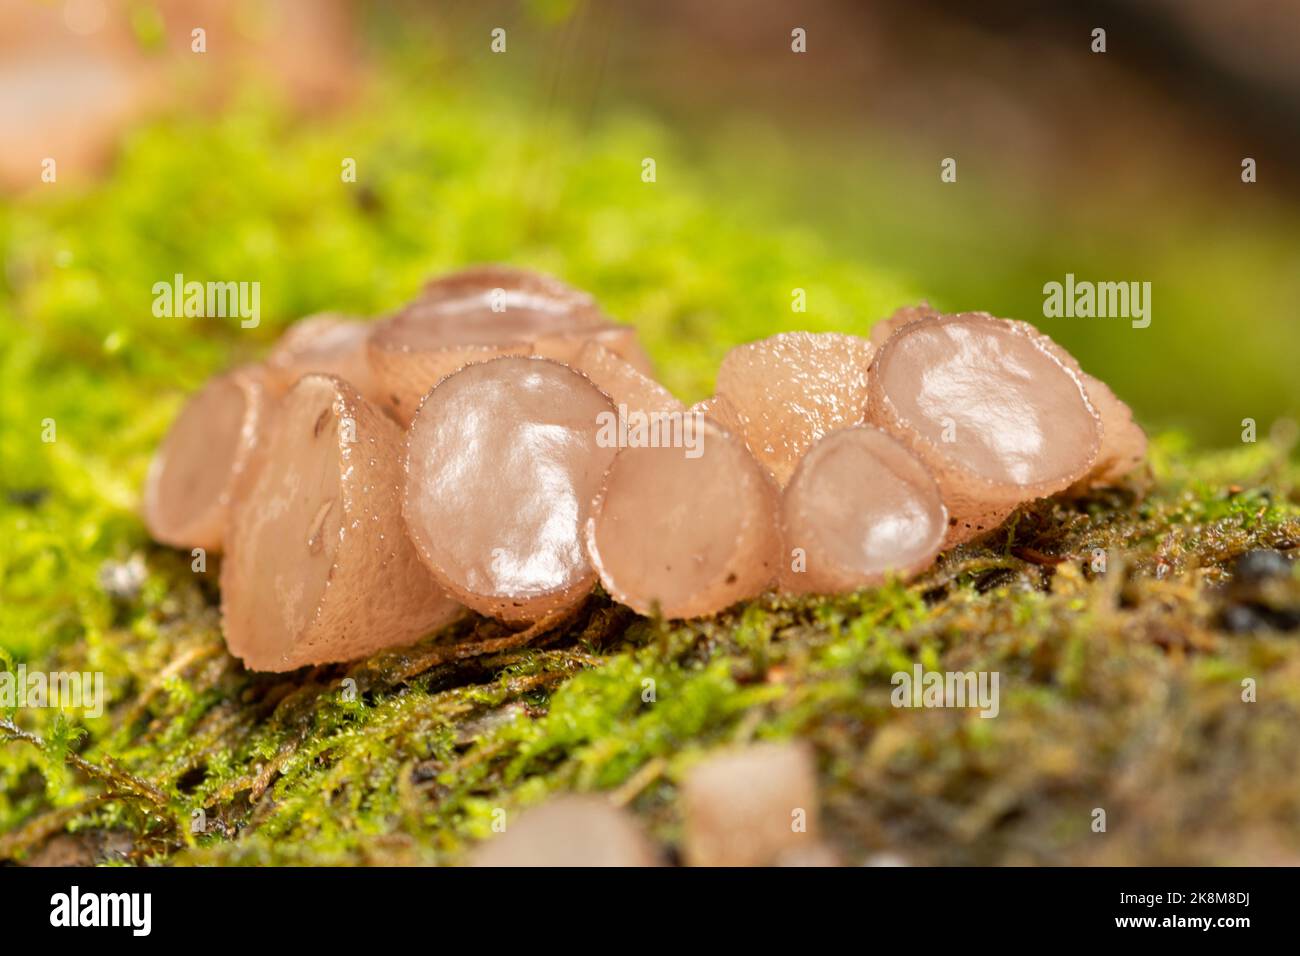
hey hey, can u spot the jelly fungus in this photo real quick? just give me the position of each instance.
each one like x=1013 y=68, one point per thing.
x=318 y=567
x=502 y=464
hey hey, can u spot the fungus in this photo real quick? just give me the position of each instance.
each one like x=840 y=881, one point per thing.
x=502 y=464
x=571 y=830
x=1123 y=442
x=327 y=343
x=688 y=534
x=195 y=472
x=990 y=407
x=882 y=330
x=478 y=315
x=751 y=806
x=318 y=567
x=859 y=507
x=721 y=411
x=622 y=381
x=791 y=389
x=621 y=340
x=544 y=456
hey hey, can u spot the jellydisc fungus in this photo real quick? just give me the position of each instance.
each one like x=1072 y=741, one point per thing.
x=751 y=806
x=683 y=534
x=327 y=343
x=500 y=444
x=318 y=567
x=990 y=408
x=859 y=507
x=570 y=830
x=482 y=314
x=193 y=476
x=789 y=390
x=502 y=464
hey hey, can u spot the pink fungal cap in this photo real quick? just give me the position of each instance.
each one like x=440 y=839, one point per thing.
x=570 y=830
x=327 y=343
x=860 y=508
x=503 y=460
x=619 y=339
x=718 y=409
x=1123 y=442
x=990 y=407
x=196 y=472
x=470 y=292
x=791 y=389
x=882 y=330
x=739 y=806
x=475 y=316
x=318 y=567
x=688 y=531
x=622 y=381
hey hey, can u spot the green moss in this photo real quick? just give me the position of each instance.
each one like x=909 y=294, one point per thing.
x=1121 y=689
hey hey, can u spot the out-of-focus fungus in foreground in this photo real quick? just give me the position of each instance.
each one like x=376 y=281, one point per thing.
x=501 y=444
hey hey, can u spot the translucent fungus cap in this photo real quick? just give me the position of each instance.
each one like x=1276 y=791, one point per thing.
x=1123 y=442
x=859 y=508
x=318 y=568
x=882 y=330
x=478 y=315
x=196 y=471
x=328 y=343
x=622 y=381
x=739 y=805
x=990 y=408
x=791 y=389
x=685 y=532
x=570 y=830
x=471 y=291
x=502 y=463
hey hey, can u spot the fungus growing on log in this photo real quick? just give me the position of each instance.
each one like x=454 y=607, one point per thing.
x=859 y=508
x=195 y=473
x=990 y=408
x=502 y=464
x=540 y=455
x=686 y=534
x=318 y=566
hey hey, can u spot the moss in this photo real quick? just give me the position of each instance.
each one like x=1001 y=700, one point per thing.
x=1121 y=689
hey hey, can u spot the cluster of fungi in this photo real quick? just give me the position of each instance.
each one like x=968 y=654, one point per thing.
x=370 y=481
